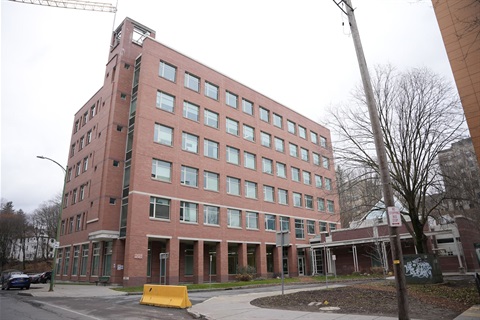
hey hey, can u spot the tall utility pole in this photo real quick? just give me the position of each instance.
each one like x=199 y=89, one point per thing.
x=395 y=244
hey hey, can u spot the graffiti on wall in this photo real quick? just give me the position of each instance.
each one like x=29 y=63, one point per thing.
x=418 y=268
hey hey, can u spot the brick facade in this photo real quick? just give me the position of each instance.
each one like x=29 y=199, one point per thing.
x=120 y=180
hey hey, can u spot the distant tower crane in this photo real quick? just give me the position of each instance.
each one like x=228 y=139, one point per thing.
x=73 y=4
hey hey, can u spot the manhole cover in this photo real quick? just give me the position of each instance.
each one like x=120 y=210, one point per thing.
x=330 y=308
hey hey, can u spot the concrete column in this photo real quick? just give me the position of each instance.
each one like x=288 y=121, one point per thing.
x=222 y=261
x=173 y=261
x=198 y=259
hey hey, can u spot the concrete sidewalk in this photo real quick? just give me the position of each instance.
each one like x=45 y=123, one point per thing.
x=228 y=307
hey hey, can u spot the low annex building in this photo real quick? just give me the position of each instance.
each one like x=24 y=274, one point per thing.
x=178 y=173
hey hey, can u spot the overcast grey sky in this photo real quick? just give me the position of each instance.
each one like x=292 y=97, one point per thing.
x=295 y=52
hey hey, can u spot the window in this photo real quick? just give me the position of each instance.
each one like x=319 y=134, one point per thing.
x=318 y=181
x=270 y=222
x=210 y=215
x=192 y=82
x=295 y=174
x=328 y=184
x=330 y=206
x=85 y=164
x=304 y=154
x=77 y=169
x=313 y=137
x=189 y=142
x=231 y=99
x=250 y=189
x=83 y=263
x=82 y=192
x=264 y=114
x=281 y=170
x=210 y=149
x=89 y=136
x=188 y=212
x=210 y=118
x=211 y=90
x=325 y=162
x=299 y=229
x=249 y=160
x=293 y=150
x=323 y=142
x=232 y=126
x=302 y=132
x=291 y=127
x=167 y=71
x=279 y=144
x=82 y=143
x=323 y=226
x=267 y=166
x=163 y=134
x=248 y=133
x=310 y=226
x=265 y=139
x=66 y=261
x=252 y=220
x=78 y=223
x=321 y=204
x=159 y=208
x=74 y=196
x=69 y=174
x=233 y=186
x=277 y=120
x=72 y=150
x=233 y=155
x=306 y=177
x=165 y=101
x=316 y=158
x=211 y=181
x=284 y=224
x=282 y=196
x=234 y=218
x=308 y=202
x=191 y=111
x=297 y=199
x=189 y=176
x=247 y=107
x=268 y=193
x=332 y=226
x=77 y=126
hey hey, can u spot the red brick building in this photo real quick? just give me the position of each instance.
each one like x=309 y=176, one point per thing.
x=172 y=157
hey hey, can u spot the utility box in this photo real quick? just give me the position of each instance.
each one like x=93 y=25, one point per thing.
x=422 y=268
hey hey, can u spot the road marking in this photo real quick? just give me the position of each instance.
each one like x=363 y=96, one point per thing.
x=65 y=309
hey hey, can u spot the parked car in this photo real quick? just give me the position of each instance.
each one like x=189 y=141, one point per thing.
x=35 y=277
x=14 y=279
x=45 y=277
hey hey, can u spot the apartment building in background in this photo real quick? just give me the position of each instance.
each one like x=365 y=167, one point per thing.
x=460 y=27
x=180 y=174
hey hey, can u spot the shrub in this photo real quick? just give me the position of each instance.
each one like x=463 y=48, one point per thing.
x=377 y=270
x=246 y=273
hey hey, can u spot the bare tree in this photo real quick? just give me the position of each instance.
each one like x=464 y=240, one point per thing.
x=420 y=115
x=359 y=190
x=46 y=221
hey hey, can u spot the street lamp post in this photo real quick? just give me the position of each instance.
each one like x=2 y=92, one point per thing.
x=57 y=238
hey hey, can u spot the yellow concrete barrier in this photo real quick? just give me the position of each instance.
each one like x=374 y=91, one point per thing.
x=165 y=296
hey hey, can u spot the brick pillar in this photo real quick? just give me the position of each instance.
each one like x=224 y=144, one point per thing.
x=198 y=258
x=242 y=255
x=261 y=260
x=173 y=261
x=292 y=261
x=222 y=261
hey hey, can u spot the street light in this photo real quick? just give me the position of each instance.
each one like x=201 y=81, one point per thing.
x=57 y=239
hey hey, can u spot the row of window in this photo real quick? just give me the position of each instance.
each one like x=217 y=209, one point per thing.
x=87 y=116
x=80 y=259
x=193 y=82
x=82 y=142
x=72 y=224
x=189 y=212
x=164 y=134
x=189 y=176
x=79 y=168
